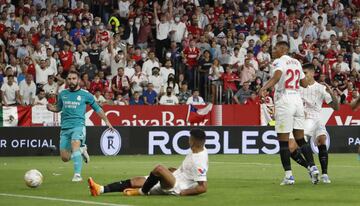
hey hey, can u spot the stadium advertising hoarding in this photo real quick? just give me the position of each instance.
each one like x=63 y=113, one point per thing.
x=162 y=140
x=221 y=115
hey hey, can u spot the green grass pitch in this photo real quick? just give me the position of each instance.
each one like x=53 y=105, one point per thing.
x=232 y=180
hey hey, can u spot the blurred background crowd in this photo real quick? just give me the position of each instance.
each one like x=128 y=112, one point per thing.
x=135 y=52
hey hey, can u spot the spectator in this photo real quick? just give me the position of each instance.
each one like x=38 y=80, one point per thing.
x=308 y=29
x=40 y=99
x=169 y=98
x=166 y=71
x=138 y=80
x=42 y=72
x=149 y=95
x=163 y=28
x=149 y=64
x=215 y=72
x=51 y=86
x=191 y=55
x=184 y=93
x=120 y=83
x=136 y=100
x=243 y=94
x=99 y=99
x=66 y=56
x=85 y=82
x=10 y=92
x=80 y=56
x=344 y=67
x=109 y=98
x=230 y=81
x=195 y=99
x=326 y=34
x=248 y=72
x=88 y=68
x=355 y=60
x=27 y=90
x=171 y=82
x=253 y=100
x=97 y=85
x=156 y=80
x=145 y=33
x=120 y=100
x=117 y=61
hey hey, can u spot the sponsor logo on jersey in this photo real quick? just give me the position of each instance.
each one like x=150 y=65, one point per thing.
x=110 y=142
x=202 y=171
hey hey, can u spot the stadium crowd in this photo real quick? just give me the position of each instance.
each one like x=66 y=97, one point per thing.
x=172 y=51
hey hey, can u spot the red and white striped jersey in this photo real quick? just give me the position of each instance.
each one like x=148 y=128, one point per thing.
x=313 y=97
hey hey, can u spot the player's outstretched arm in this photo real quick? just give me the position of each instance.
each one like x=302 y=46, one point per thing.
x=103 y=117
x=199 y=189
x=53 y=108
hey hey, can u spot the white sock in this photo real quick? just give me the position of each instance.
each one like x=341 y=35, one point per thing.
x=101 y=189
x=140 y=191
x=288 y=173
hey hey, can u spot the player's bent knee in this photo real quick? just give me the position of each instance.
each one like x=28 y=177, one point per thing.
x=65 y=159
x=159 y=169
x=292 y=145
x=321 y=140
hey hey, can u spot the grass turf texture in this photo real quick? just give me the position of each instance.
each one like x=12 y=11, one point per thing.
x=233 y=180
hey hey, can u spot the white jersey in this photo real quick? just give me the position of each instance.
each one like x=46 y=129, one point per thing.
x=292 y=72
x=193 y=169
x=313 y=97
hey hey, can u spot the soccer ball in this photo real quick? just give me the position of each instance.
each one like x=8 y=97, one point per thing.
x=33 y=178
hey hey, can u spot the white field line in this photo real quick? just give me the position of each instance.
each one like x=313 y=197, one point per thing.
x=268 y=164
x=60 y=199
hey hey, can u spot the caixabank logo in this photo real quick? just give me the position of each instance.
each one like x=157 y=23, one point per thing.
x=110 y=142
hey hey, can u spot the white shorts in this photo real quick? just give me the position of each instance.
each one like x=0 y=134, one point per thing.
x=289 y=113
x=313 y=129
x=179 y=186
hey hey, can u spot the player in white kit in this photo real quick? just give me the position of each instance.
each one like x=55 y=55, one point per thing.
x=289 y=111
x=313 y=97
x=189 y=179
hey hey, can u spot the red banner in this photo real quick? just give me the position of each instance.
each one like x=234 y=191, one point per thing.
x=343 y=117
x=221 y=115
x=176 y=115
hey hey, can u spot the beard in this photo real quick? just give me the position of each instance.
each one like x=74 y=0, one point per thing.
x=73 y=86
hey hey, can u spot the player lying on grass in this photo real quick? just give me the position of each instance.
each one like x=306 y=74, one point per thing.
x=188 y=179
x=313 y=97
x=72 y=102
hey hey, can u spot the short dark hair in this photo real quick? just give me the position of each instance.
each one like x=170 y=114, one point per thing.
x=309 y=66
x=198 y=134
x=74 y=72
x=283 y=43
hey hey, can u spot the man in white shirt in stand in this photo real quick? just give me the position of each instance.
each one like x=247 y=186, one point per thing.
x=10 y=92
x=326 y=34
x=195 y=99
x=150 y=64
x=178 y=30
x=163 y=27
x=27 y=90
x=343 y=65
x=169 y=98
